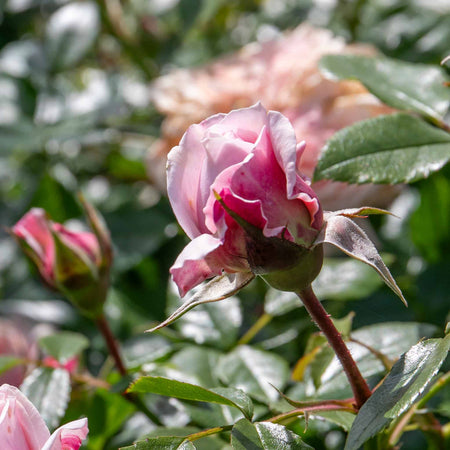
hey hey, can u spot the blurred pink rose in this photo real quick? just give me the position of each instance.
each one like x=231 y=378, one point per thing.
x=76 y=264
x=22 y=427
x=14 y=342
x=283 y=74
x=249 y=158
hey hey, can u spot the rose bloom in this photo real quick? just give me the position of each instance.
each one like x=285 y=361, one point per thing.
x=283 y=74
x=246 y=160
x=22 y=427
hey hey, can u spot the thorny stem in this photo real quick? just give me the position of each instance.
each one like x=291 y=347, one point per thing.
x=360 y=389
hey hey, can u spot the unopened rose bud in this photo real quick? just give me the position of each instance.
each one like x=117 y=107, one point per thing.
x=75 y=263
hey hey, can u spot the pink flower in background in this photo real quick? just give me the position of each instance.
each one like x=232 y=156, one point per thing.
x=283 y=74
x=249 y=159
x=14 y=342
x=22 y=427
x=75 y=263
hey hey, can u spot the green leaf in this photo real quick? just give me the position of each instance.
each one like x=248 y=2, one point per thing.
x=255 y=371
x=402 y=85
x=396 y=148
x=187 y=391
x=64 y=345
x=429 y=222
x=9 y=362
x=199 y=362
x=265 y=436
x=408 y=378
x=159 y=443
x=49 y=391
x=343 y=419
x=70 y=33
x=107 y=411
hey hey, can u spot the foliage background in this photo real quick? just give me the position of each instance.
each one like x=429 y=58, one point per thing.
x=75 y=116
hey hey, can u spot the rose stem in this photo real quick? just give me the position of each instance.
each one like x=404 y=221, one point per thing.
x=105 y=330
x=111 y=343
x=361 y=390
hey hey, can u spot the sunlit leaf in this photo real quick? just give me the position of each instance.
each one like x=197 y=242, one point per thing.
x=265 y=436
x=403 y=385
x=397 y=148
x=402 y=85
x=186 y=391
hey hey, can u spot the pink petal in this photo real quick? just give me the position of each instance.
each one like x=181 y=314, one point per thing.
x=21 y=426
x=284 y=145
x=196 y=263
x=184 y=168
x=245 y=123
x=85 y=241
x=34 y=229
x=68 y=436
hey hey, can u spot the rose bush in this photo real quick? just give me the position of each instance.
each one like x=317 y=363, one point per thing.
x=22 y=427
x=234 y=187
x=75 y=263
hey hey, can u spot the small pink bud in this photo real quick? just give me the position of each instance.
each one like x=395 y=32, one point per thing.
x=75 y=263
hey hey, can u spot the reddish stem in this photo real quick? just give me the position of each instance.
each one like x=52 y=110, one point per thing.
x=360 y=389
x=111 y=343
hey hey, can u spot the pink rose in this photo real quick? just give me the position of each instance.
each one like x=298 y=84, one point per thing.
x=76 y=264
x=240 y=167
x=22 y=428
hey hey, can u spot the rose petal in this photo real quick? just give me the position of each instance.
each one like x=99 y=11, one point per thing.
x=284 y=144
x=196 y=263
x=184 y=167
x=21 y=426
x=245 y=123
x=68 y=436
x=85 y=241
x=34 y=229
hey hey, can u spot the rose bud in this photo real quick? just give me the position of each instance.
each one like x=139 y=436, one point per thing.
x=236 y=192
x=22 y=427
x=75 y=263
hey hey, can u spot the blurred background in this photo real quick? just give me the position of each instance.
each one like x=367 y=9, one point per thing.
x=94 y=94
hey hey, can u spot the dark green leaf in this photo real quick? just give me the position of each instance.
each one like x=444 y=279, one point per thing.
x=159 y=443
x=254 y=371
x=397 y=148
x=402 y=85
x=408 y=378
x=264 y=436
x=186 y=391
x=48 y=390
x=64 y=345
